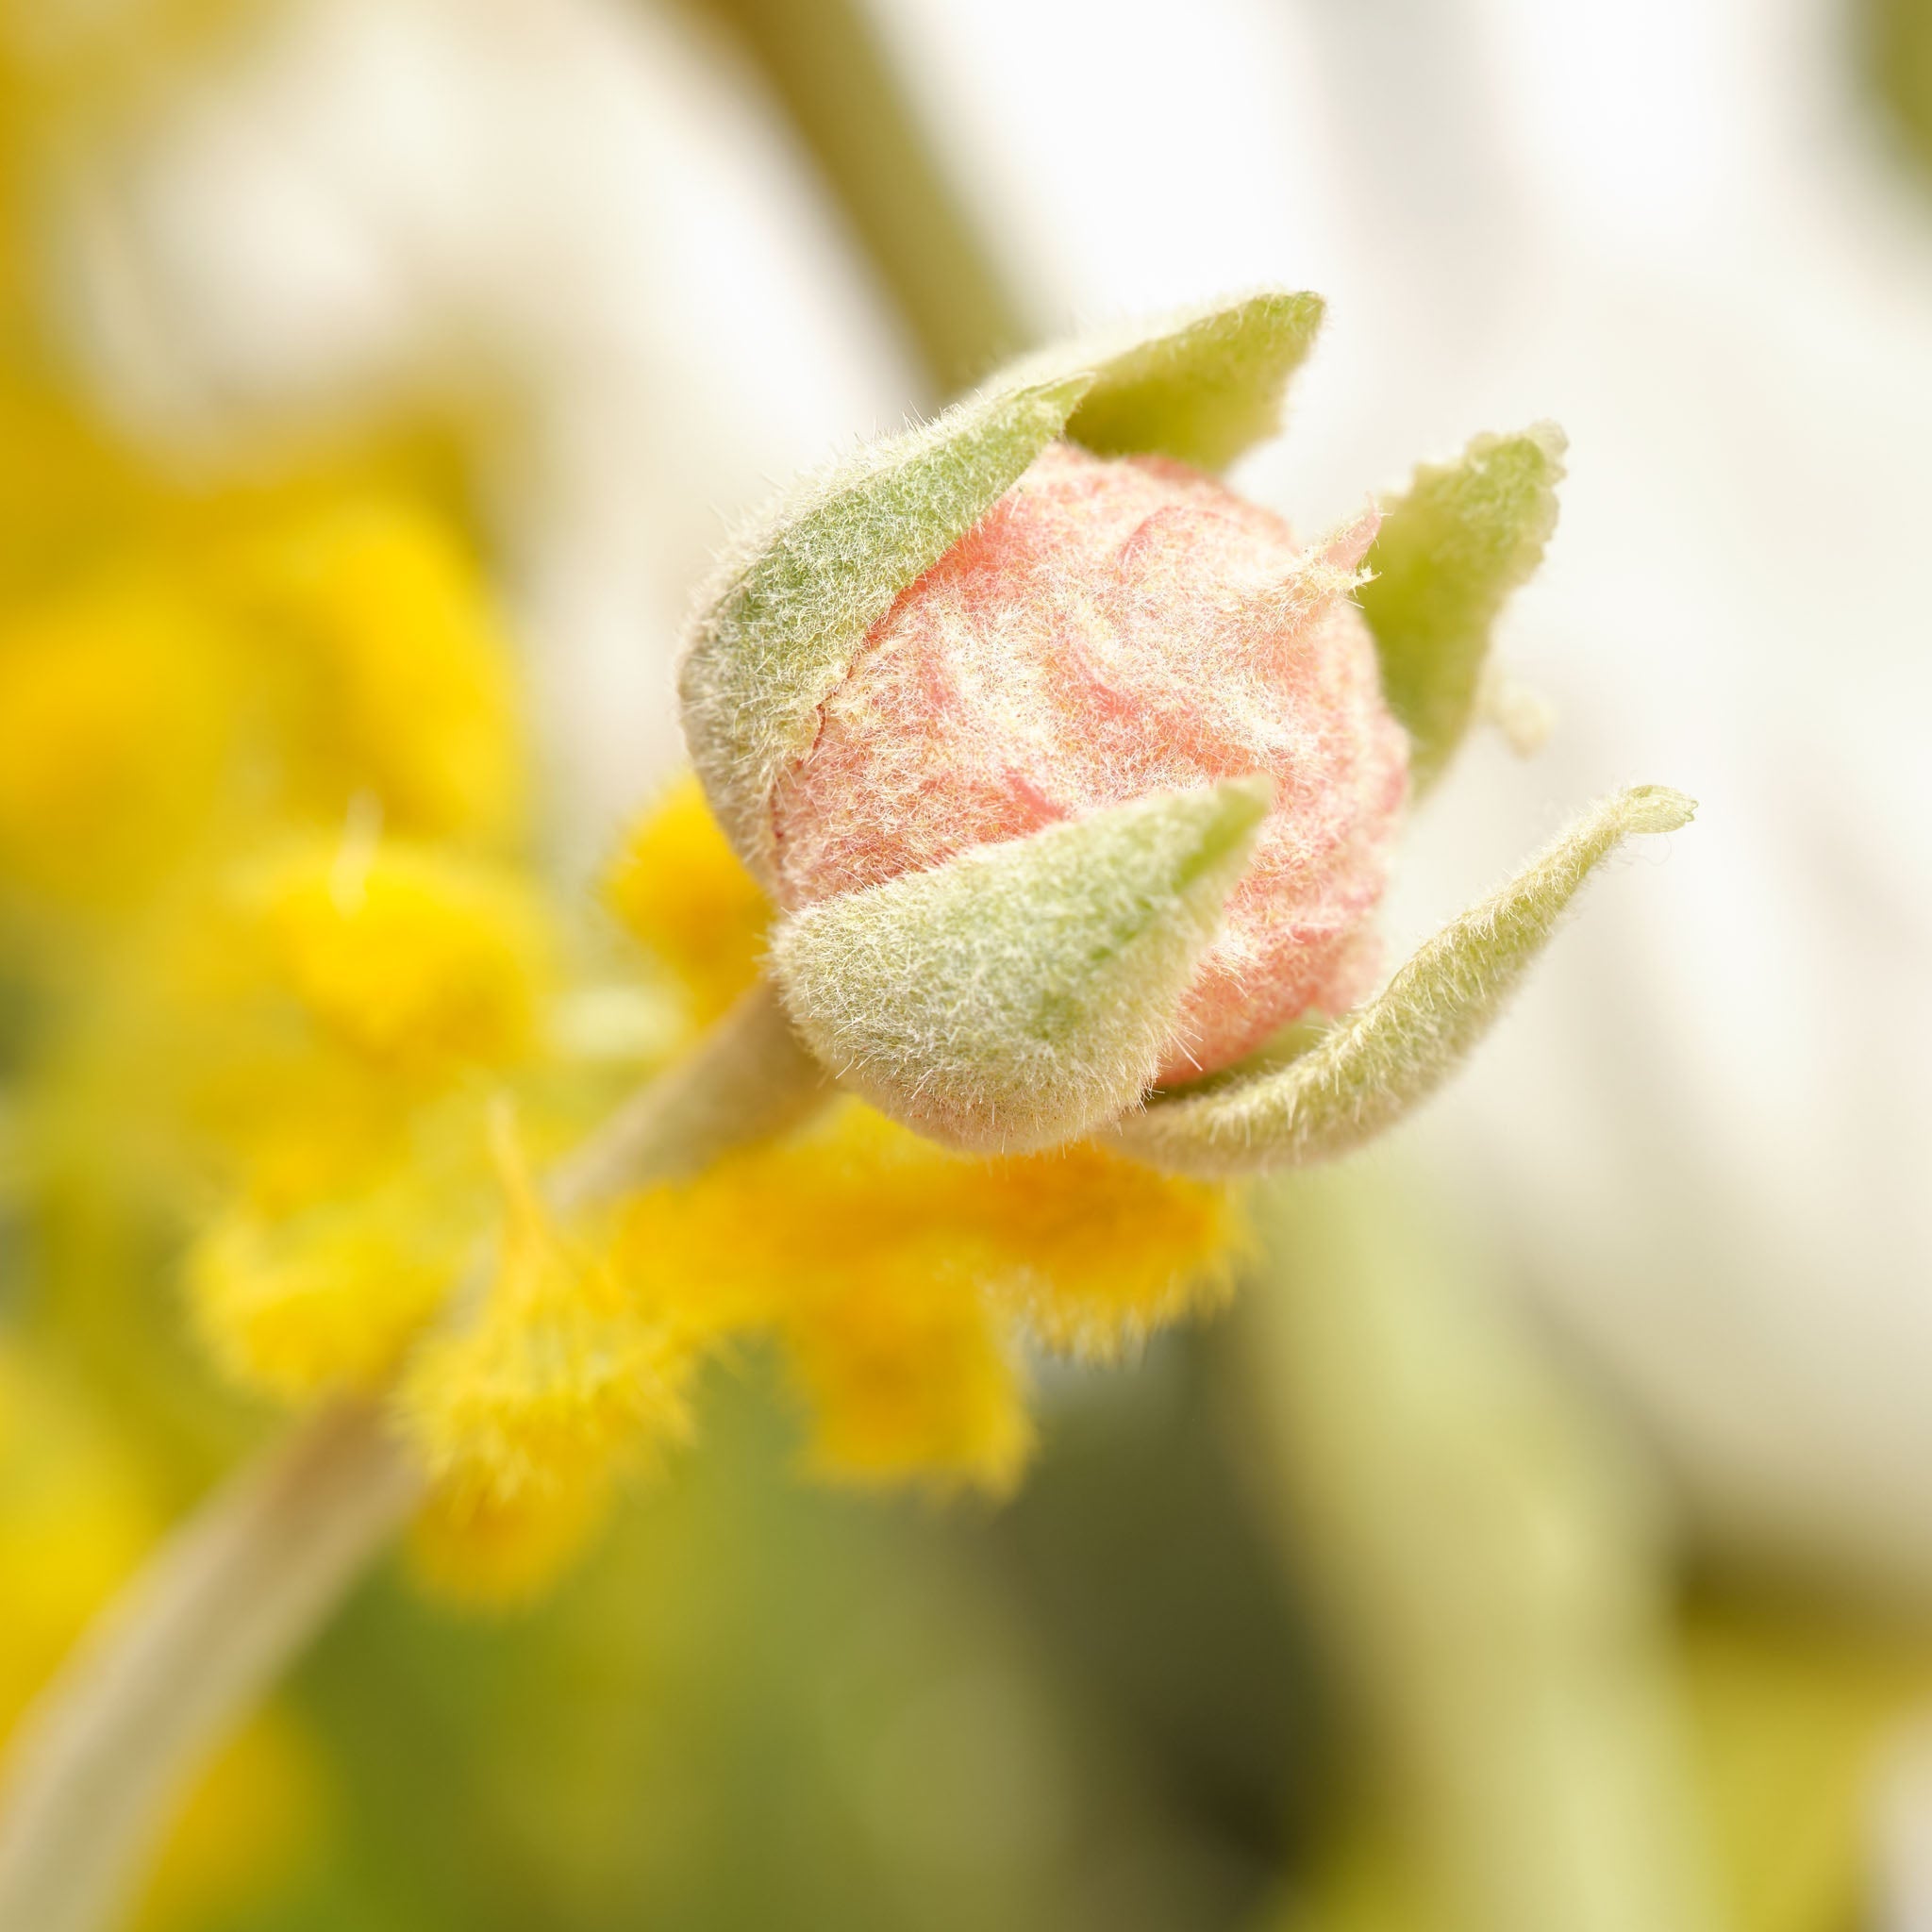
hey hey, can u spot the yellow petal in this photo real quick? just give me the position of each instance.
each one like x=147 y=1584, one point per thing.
x=909 y=1376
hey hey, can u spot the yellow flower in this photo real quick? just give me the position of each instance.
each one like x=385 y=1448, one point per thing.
x=903 y=1278
x=117 y=710
x=1097 y=1252
x=293 y=1123
x=321 y=1016
x=682 y=891
x=559 y=1377
x=909 y=1374
x=328 y=1297
x=416 y=959
x=393 y=672
x=490 y=1553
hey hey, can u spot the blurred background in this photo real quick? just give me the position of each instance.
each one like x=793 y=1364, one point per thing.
x=1544 y=1539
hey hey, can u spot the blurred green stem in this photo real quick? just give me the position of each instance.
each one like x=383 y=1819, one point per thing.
x=1491 y=1580
x=181 y=1657
x=233 y=1595
x=824 y=61
x=1895 y=57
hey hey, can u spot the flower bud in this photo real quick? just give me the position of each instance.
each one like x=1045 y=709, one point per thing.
x=1108 y=631
x=1073 y=776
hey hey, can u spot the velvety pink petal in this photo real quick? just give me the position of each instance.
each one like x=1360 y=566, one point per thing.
x=1109 y=629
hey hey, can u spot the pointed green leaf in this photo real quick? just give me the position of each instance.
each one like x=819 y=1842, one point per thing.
x=1391 y=1054
x=796 y=598
x=1448 y=553
x=1022 y=993
x=1203 y=387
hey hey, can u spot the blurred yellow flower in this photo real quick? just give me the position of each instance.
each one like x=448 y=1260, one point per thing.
x=117 y=704
x=477 y=1550
x=682 y=893
x=389 y=668
x=415 y=959
x=904 y=1279
x=909 y=1374
x=328 y=1297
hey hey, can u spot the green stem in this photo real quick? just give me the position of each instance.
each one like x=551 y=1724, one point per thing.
x=824 y=60
x=1493 y=1589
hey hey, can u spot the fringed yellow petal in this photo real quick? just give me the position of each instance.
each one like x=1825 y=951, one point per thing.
x=726 y=1252
x=497 y=1555
x=524 y=1412
x=531 y=1404
x=840 y=1240
x=711 y=1260
x=396 y=674
x=1095 y=1259
x=559 y=1377
x=687 y=897
x=909 y=1378
x=323 y=1299
x=418 y=960
x=875 y=1253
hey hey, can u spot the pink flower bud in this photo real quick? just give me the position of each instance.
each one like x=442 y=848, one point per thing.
x=1108 y=630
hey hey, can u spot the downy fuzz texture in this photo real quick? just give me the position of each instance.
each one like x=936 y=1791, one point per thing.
x=1112 y=630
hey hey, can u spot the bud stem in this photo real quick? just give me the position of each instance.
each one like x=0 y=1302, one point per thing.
x=239 y=1587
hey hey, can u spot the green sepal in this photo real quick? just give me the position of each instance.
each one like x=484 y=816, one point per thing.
x=1204 y=388
x=1448 y=553
x=798 y=597
x=793 y=601
x=1022 y=993
x=1381 y=1062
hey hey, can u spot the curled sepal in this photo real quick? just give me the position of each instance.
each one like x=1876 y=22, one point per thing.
x=1448 y=553
x=794 y=599
x=1022 y=993
x=1203 y=386
x=1370 y=1070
